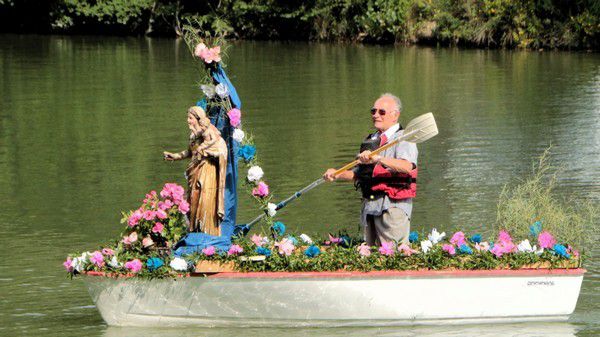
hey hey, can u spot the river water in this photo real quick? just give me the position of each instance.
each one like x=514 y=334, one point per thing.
x=84 y=120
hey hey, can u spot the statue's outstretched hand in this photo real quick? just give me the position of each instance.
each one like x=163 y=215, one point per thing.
x=169 y=156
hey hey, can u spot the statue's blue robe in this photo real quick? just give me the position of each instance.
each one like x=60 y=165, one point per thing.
x=195 y=242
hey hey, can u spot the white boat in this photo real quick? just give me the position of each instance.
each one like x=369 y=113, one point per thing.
x=329 y=299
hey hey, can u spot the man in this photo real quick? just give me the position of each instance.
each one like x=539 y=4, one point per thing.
x=387 y=180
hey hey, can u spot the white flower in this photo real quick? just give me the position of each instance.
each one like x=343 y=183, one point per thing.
x=538 y=251
x=306 y=238
x=426 y=246
x=178 y=264
x=208 y=90
x=222 y=90
x=525 y=247
x=436 y=237
x=114 y=262
x=255 y=173
x=271 y=209
x=238 y=135
x=77 y=264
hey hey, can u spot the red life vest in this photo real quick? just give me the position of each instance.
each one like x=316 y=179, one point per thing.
x=375 y=180
x=398 y=185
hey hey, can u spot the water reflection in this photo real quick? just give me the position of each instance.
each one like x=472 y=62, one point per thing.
x=483 y=330
x=83 y=121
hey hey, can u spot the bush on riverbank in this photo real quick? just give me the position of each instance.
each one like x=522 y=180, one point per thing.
x=486 y=23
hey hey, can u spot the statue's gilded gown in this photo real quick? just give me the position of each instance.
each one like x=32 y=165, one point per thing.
x=206 y=184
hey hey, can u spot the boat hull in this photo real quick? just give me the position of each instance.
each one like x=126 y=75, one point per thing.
x=339 y=298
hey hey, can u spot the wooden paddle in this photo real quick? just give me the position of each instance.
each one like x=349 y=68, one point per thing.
x=418 y=130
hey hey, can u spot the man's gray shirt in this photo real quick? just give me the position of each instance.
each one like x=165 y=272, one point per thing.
x=402 y=150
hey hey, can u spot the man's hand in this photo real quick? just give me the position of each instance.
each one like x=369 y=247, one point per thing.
x=366 y=158
x=329 y=175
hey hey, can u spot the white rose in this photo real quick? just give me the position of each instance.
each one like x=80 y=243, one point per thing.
x=525 y=247
x=178 y=264
x=238 y=135
x=114 y=262
x=77 y=264
x=255 y=173
x=208 y=90
x=435 y=236
x=426 y=246
x=306 y=239
x=222 y=90
x=271 y=209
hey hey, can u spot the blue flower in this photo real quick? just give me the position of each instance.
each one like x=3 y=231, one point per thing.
x=561 y=250
x=346 y=241
x=536 y=228
x=263 y=251
x=247 y=152
x=465 y=249
x=312 y=251
x=413 y=237
x=293 y=239
x=202 y=103
x=279 y=228
x=476 y=238
x=154 y=263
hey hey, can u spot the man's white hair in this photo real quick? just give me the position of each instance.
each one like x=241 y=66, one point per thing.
x=395 y=98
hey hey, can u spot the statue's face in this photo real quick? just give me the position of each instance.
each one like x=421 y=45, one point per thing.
x=192 y=122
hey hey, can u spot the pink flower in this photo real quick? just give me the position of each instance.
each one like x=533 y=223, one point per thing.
x=134 y=265
x=147 y=242
x=406 y=250
x=262 y=190
x=209 y=55
x=149 y=215
x=108 y=252
x=134 y=218
x=449 y=249
x=504 y=245
x=458 y=239
x=150 y=196
x=333 y=239
x=482 y=247
x=172 y=191
x=286 y=247
x=364 y=250
x=235 y=250
x=546 y=240
x=161 y=214
x=68 y=264
x=184 y=207
x=165 y=205
x=158 y=227
x=259 y=240
x=504 y=237
x=97 y=258
x=208 y=251
x=387 y=248
x=200 y=47
x=130 y=239
x=572 y=251
x=235 y=117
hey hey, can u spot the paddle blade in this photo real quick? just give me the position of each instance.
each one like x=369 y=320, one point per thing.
x=420 y=129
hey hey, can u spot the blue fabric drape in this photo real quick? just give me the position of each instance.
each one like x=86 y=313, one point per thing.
x=195 y=242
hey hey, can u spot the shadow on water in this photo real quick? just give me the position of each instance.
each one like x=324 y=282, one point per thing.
x=483 y=330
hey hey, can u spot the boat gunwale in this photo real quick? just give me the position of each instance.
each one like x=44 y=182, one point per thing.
x=370 y=274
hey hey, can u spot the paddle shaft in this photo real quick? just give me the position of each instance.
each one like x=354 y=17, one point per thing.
x=319 y=181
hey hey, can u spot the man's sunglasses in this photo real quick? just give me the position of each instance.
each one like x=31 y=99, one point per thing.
x=380 y=111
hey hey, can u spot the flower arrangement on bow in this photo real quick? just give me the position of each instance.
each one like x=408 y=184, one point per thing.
x=210 y=51
x=150 y=231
